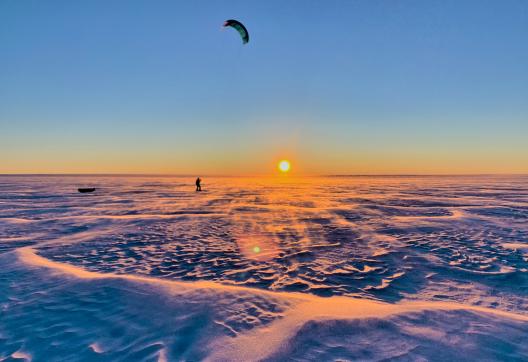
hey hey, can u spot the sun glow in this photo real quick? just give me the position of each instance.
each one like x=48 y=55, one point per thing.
x=284 y=166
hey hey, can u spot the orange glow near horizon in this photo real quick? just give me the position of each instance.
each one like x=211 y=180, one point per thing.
x=261 y=162
x=284 y=166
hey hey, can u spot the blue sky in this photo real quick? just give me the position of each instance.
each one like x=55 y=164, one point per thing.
x=336 y=86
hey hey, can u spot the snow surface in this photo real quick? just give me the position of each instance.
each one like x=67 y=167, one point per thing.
x=318 y=268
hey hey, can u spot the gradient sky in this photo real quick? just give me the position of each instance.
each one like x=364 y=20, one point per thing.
x=338 y=87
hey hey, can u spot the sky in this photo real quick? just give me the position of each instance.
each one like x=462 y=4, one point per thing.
x=336 y=87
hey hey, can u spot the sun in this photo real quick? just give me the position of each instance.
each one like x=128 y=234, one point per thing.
x=284 y=166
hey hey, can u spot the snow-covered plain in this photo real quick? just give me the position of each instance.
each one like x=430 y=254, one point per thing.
x=314 y=268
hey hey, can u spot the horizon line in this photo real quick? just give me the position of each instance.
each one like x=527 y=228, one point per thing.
x=134 y=174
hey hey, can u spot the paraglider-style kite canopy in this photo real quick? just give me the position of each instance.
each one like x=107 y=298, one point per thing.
x=238 y=26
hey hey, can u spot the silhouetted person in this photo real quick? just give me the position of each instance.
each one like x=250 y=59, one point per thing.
x=198 y=184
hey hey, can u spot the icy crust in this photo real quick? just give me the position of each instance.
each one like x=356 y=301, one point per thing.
x=379 y=238
x=56 y=312
x=337 y=268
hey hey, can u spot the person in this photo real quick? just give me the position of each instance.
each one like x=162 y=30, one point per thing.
x=198 y=185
